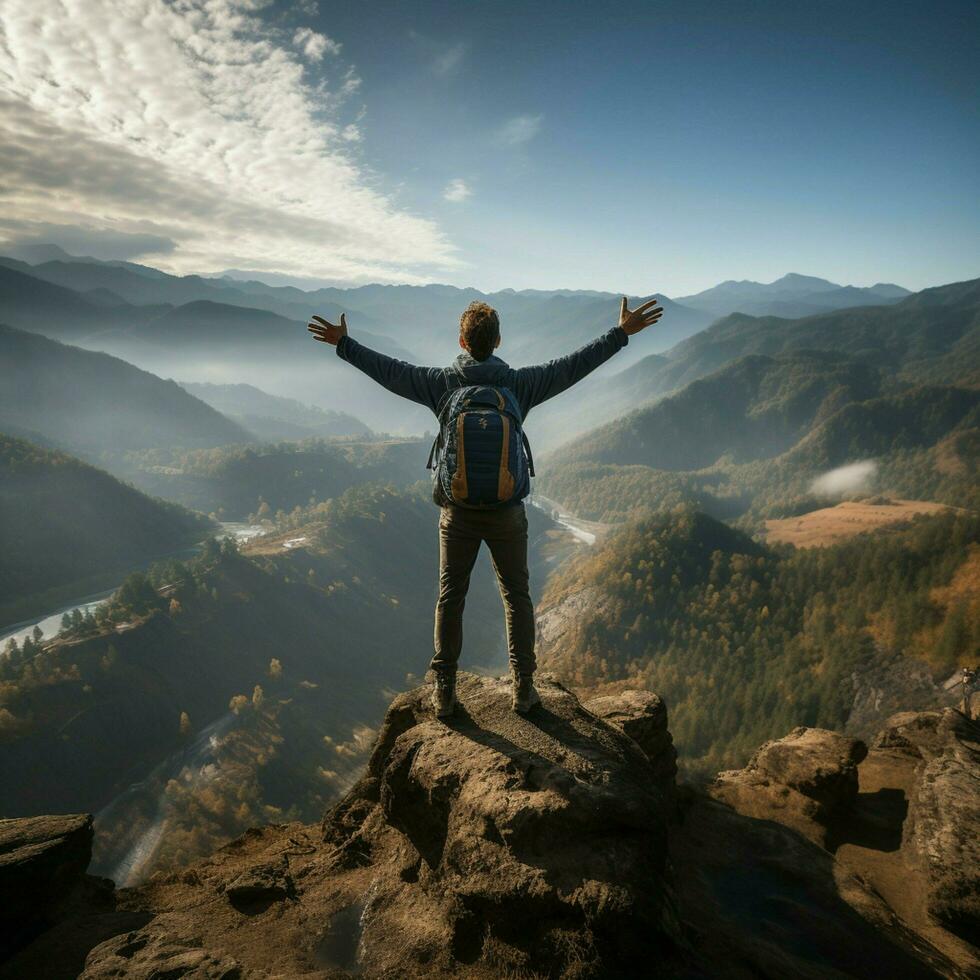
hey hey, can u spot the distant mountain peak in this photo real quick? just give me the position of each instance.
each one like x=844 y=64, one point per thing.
x=35 y=253
x=890 y=289
x=797 y=280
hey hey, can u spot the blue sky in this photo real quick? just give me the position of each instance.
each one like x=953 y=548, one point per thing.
x=635 y=147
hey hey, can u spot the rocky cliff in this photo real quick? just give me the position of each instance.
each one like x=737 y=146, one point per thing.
x=555 y=845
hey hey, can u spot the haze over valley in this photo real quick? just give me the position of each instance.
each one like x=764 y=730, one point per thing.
x=283 y=501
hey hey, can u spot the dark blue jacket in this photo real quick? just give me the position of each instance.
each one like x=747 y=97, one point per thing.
x=530 y=385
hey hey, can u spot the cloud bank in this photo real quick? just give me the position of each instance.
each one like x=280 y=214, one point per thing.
x=852 y=478
x=197 y=122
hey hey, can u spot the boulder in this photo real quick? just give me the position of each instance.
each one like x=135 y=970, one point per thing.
x=267 y=882
x=42 y=860
x=911 y=731
x=643 y=716
x=804 y=780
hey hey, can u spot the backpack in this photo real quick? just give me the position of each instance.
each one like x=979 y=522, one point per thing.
x=481 y=457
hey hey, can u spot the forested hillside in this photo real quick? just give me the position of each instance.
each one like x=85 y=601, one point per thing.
x=757 y=407
x=261 y=480
x=752 y=438
x=91 y=403
x=745 y=642
x=287 y=653
x=68 y=528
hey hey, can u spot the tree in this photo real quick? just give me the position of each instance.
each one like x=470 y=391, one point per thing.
x=37 y=633
x=258 y=696
x=275 y=669
x=137 y=594
x=185 y=723
x=238 y=704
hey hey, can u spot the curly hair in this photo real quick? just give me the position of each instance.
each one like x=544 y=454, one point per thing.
x=479 y=328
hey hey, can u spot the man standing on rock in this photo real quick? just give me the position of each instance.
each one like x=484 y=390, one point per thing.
x=482 y=468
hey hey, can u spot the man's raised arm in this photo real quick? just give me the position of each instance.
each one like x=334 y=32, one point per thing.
x=419 y=384
x=544 y=381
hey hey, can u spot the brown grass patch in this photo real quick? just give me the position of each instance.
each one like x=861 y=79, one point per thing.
x=829 y=525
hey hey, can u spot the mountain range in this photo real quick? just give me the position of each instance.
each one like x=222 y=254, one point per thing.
x=930 y=336
x=163 y=322
x=90 y=403
x=273 y=418
x=792 y=295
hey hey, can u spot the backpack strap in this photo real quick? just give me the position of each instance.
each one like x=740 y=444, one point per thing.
x=527 y=452
x=461 y=382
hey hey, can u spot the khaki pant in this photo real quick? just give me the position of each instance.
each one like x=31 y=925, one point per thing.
x=461 y=532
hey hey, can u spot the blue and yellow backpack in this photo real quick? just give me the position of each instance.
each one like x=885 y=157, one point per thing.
x=481 y=457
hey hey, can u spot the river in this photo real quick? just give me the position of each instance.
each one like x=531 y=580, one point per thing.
x=580 y=529
x=50 y=622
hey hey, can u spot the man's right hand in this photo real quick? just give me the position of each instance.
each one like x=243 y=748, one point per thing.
x=633 y=321
x=327 y=332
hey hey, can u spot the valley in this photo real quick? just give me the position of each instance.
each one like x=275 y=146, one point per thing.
x=768 y=514
x=227 y=684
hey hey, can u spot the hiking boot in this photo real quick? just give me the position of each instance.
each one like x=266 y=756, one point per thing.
x=444 y=695
x=525 y=693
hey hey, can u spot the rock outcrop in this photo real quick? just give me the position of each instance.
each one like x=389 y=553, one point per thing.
x=556 y=845
x=941 y=835
x=643 y=716
x=479 y=803
x=42 y=861
x=804 y=780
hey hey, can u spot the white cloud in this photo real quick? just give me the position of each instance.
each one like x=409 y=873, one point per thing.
x=852 y=478
x=314 y=45
x=448 y=59
x=457 y=190
x=442 y=58
x=519 y=130
x=193 y=121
